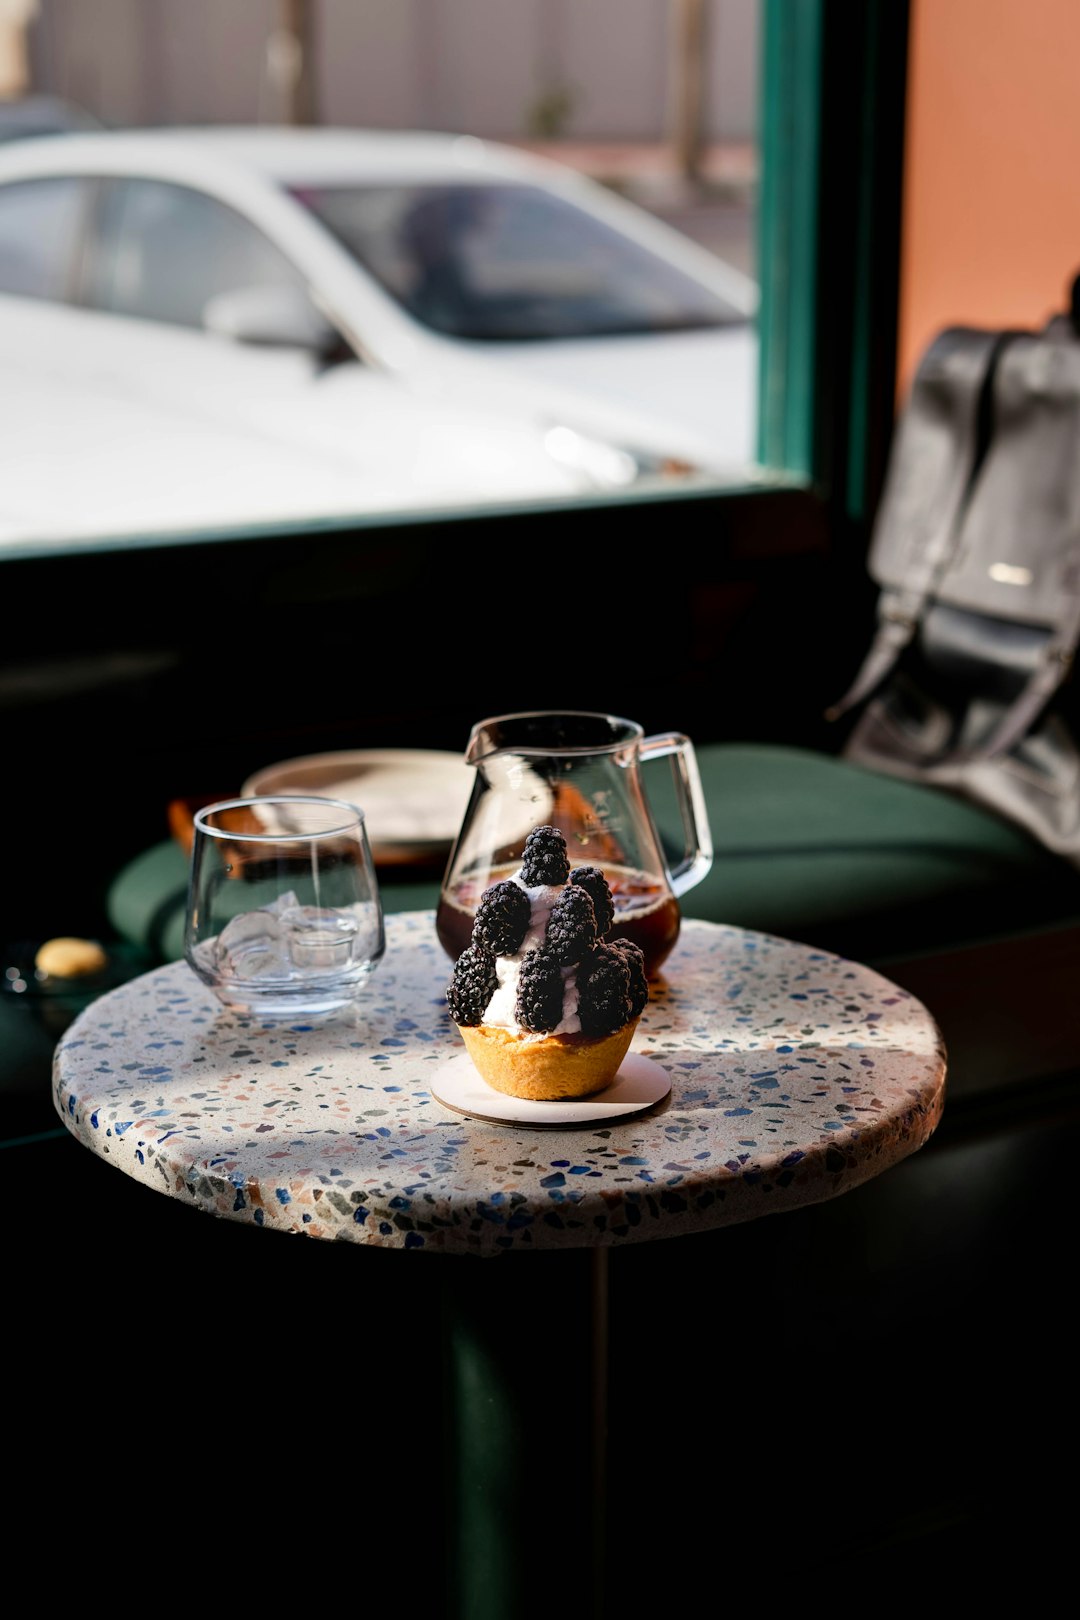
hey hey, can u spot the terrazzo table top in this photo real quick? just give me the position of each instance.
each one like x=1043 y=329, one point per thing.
x=796 y=1075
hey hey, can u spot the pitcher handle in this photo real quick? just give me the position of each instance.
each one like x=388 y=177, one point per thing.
x=697 y=856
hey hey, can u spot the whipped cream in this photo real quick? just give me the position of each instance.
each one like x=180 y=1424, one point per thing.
x=500 y=1009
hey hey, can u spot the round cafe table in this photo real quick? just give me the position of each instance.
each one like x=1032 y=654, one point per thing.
x=795 y=1076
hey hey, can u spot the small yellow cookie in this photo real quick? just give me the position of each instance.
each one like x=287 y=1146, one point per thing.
x=70 y=958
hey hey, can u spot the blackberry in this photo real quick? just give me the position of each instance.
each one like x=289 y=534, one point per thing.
x=544 y=859
x=571 y=927
x=604 y=991
x=591 y=879
x=502 y=918
x=472 y=984
x=639 y=981
x=540 y=992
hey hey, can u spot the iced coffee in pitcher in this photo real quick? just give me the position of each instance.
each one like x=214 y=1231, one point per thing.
x=580 y=772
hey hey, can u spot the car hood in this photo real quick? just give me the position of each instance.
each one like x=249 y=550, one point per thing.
x=680 y=394
x=139 y=465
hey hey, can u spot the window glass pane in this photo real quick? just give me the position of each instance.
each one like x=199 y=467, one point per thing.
x=385 y=258
x=164 y=251
x=39 y=232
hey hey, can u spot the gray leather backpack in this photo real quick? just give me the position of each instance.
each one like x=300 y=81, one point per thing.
x=976 y=548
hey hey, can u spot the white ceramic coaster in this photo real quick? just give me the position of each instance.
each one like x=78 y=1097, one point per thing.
x=638 y=1085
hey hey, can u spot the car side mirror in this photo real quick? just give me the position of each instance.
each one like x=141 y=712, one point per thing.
x=272 y=317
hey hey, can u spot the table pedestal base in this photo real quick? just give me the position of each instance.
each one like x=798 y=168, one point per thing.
x=526 y=1367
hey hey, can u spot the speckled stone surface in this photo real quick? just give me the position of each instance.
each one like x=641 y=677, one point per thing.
x=796 y=1075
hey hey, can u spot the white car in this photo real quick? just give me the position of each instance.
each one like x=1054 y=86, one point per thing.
x=240 y=326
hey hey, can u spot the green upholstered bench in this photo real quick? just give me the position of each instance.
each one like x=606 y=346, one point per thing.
x=820 y=850
x=807 y=846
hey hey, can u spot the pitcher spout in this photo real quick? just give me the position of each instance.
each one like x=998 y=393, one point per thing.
x=485 y=741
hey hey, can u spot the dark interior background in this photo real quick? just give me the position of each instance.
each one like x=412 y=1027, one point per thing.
x=929 y=1310
x=132 y=676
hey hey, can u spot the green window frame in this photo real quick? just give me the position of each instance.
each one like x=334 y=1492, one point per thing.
x=832 y=100
x=831 y=112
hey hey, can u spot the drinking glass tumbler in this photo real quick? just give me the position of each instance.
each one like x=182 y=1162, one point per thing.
x=284 y=917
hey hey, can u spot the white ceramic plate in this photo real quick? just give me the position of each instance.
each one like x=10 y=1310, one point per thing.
x=639 y=1084
x=414 y=800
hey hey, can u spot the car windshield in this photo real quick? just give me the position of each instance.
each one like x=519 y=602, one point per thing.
x=511 y=263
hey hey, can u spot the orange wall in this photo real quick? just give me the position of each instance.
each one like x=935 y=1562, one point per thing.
x=991 y=232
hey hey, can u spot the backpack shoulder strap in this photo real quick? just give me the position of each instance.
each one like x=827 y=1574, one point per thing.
x=1018 y=556
x=933 y=459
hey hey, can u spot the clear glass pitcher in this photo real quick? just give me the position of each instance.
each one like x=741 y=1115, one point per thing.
x=579 y=772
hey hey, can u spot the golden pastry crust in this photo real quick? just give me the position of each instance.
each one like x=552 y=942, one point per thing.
x=548 y=1068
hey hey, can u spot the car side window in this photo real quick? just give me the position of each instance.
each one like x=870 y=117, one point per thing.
x=40 y=228
x=164 y=251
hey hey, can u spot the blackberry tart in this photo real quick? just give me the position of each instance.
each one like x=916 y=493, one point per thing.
x=546 y=1005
